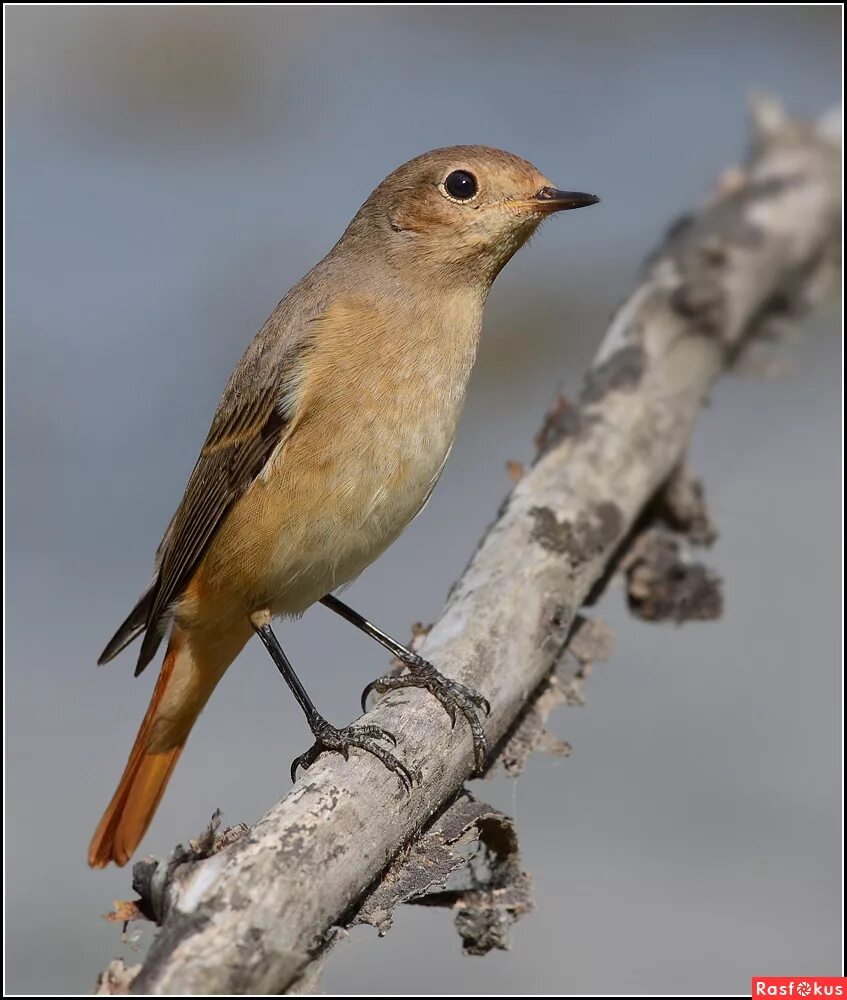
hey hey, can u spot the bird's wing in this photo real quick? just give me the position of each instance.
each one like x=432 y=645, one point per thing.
x=254 y=414
x=237 y=448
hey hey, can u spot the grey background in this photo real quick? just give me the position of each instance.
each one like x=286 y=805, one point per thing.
x=170 y=173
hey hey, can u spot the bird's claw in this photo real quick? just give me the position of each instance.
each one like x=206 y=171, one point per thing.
x=366 y=738
x=453 y=696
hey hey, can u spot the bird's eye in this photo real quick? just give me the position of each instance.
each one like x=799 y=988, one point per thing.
x=460 y=185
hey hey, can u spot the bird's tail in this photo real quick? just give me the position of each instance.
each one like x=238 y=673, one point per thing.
x=185 y=682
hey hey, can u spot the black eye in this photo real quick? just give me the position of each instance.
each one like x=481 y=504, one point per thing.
x=461 y=185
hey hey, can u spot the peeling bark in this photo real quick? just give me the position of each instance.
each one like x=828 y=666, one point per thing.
x=116 y=979
x=590 y=642
x=665 y=584
x=497 y=894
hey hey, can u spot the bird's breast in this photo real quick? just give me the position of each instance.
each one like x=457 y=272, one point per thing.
x=383 y=400
x=378 y=410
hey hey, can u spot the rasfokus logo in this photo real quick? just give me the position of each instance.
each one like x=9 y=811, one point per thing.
x=798 y=986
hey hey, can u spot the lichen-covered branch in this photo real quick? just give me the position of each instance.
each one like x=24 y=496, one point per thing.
x=252 y=916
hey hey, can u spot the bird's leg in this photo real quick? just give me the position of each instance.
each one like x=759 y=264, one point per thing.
x=327 y=736
x=452 y=695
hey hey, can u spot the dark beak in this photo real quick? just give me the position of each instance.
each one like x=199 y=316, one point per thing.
x=551 y=199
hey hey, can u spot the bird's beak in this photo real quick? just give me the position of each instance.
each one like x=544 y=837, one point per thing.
x=550 y=199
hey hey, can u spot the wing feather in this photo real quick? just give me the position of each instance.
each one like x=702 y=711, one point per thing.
x=256 y=411
x=235 y=452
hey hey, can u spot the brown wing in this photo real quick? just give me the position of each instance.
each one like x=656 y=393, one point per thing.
x=239 y=444
x=256 y=411
x=251 y=419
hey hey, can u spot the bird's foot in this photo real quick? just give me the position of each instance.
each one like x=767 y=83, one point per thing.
x=454 y=698
x=366 y=738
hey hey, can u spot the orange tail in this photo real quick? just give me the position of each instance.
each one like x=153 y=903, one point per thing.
x=183 y=687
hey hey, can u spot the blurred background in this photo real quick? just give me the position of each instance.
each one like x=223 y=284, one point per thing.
x=171 y=172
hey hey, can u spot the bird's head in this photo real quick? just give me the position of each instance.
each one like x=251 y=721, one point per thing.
x=461 y=211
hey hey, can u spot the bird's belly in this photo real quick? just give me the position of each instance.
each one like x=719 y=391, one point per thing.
x=321 y=516
x=375 y=500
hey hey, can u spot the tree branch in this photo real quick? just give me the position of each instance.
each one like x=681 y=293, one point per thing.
x=251 y=917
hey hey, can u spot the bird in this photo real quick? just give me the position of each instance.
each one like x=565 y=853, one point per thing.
x=328 y=440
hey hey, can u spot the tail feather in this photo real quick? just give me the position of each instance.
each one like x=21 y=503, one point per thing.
x=131 y=810
x=192 y=667
x=143 y=783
